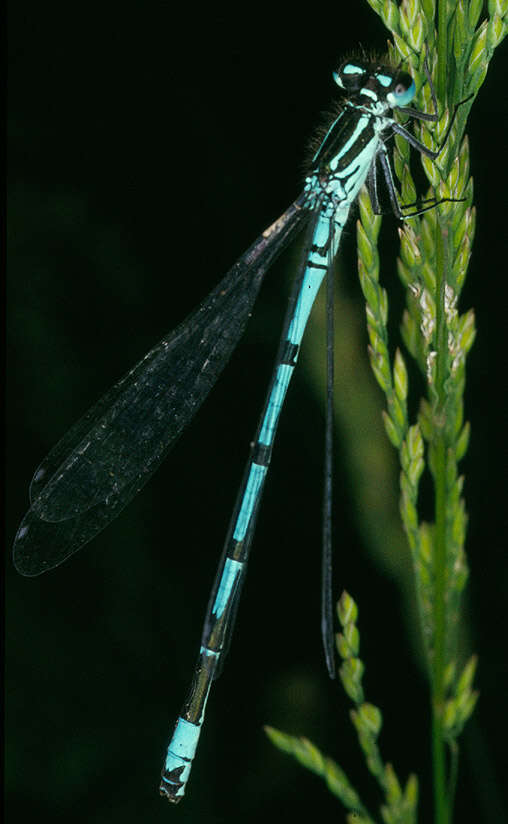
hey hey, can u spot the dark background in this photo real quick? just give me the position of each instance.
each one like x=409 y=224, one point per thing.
x=147 y=149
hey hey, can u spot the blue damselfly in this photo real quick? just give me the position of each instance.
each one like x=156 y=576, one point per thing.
x=108 y=456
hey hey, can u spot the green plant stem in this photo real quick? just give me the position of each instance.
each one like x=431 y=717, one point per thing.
x=440 y=536
x=442 y=50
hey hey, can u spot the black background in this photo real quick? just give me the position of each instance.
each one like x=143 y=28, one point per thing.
x=147 y=148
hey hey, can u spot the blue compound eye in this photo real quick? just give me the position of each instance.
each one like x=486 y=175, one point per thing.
x=403 y=91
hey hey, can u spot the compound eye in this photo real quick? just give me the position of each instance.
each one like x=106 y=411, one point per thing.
x=350 y=76
x=403 y=91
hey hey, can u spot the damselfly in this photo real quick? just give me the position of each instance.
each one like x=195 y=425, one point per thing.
x=108 y=456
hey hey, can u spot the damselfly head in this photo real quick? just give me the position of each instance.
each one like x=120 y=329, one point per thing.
x=359 y=77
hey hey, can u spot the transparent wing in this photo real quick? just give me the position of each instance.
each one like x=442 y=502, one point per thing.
x=112 y=451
